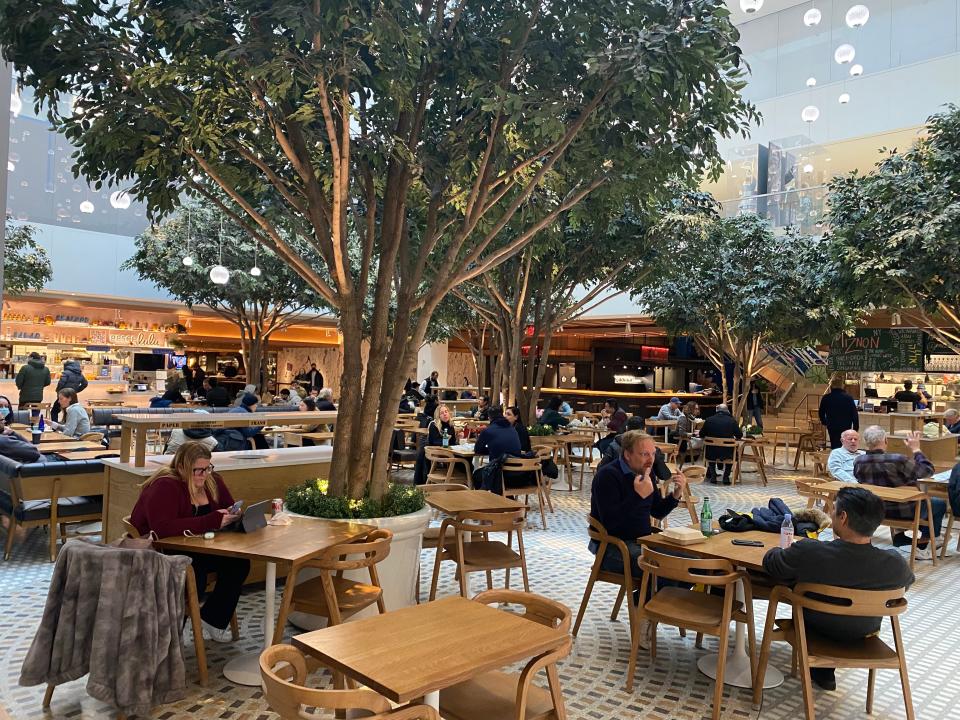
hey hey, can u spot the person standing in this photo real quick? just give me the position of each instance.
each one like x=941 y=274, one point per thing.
x=199 y=375
x=314 y=379
x=72 y=378
x=430 y=384
x=31 y=379
x=838 y=412
x=755 y=404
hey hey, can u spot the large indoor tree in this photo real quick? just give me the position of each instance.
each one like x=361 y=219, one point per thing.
x=569 y=269
x=898 y=228
x=399 y=139
x=735 y=286
x=258 y=304
x=26 y=265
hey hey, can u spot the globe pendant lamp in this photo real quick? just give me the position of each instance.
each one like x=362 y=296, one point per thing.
x=219 y=275
x=188 y=259
x=856 y=70
x=120 y=200
x=844 y=54
x=810 y=114
x=857 y=16
x=812 y=17
x=255 y=270
x=750 y=6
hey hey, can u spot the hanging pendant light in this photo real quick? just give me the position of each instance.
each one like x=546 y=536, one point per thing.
x=219 y=275
x=255 y=270
x=86 y=207
x=844 y=98
x=812 y=17
x=120 y=200
x=810 y=114
x=856 y=70
x=844 y=54
x=188 y=259
x=857 y=16
x=750 y=6
x=811 y=81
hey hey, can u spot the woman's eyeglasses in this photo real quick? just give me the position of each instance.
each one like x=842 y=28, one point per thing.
x=203 y=470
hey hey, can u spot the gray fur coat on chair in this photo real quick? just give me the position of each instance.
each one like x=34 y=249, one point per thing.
x=115 y=614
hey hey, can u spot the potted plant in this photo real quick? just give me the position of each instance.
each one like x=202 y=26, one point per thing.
x=402 y=510
x=541 y=430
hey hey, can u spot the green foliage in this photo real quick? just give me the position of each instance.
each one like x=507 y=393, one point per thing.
x=898 y=227
x=541 y=430
x=818 y=375
x=26 y=265
x=311 y=499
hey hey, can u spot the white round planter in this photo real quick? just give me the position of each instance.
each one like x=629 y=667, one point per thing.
x=397 y=572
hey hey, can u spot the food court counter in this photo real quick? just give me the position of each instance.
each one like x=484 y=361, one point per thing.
x=251 y=477
x=643 y=404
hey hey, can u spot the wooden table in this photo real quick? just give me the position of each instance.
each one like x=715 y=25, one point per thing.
x=453 y=503
x=47 y=436
x=135 y=427
x=667 y=425
x=68 y=445
x=303 y=539
x=87 y=454
x=720 y=546
x=417 y=651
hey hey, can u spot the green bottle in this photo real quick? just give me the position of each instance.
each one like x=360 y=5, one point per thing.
x=706 y=518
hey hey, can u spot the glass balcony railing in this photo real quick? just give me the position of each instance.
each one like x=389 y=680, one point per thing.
x=804 y=208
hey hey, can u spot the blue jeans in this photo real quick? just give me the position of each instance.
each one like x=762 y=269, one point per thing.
x=756 y=415
x=613 y=559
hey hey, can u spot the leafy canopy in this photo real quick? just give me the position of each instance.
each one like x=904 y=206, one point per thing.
x=26 y=265
x=898 y=228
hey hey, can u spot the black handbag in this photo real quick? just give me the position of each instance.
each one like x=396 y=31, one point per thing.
x=549 y=468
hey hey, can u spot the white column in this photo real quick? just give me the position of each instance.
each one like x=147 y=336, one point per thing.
x=432 y=356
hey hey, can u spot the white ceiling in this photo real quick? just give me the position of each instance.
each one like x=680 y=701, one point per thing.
x=769 y=6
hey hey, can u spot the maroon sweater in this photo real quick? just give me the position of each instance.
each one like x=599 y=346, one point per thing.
x=164 y=506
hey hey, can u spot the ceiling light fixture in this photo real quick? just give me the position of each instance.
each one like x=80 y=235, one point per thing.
x=86 y=207
x=844 y=54
x=811 y=81
x=812 y=17
x=856 y=70
x=255 y=270
x=844 y=98
x=857 y=16
x=750 y=6
x=120 y=200
x=219 y=275
x=810 y=114
x=188 y=258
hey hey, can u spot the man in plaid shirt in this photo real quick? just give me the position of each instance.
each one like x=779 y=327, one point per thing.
x=883 y=469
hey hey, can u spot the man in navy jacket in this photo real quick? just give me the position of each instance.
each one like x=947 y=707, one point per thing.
x=838 y=412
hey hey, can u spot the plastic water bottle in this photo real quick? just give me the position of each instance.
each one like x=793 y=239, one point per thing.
x=706 y=518
x=786 y=531
x=446 y=439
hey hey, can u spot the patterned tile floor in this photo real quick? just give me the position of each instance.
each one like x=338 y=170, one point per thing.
x=593 y=675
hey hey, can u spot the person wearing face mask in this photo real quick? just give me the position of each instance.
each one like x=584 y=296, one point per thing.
x=11 y=444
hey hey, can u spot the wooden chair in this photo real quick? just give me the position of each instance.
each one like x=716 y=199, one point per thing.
x=531 y=467
x=814 y=650
x=706 y=613
x=284 y=670
x=625 y=581
x=752 y=452
x=820 y=467
x=671 y=451
x=914 y=524
x=482 y=555
x=498 y=695
x=807 y=487
x=330 y=594
x=443 y=466
x=54 y=501
x=939 y=492
x=94 y=437
x=695 y=475
x=809 y=443
x=726 y=443
x=583 y=444
x=192 y=609
x=431 y=536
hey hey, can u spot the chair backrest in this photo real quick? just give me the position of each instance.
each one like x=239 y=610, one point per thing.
x=373 y=548
x=787 y=429
x=284 y=670
x=130 y=527
x=490 y=520
x=435 y=453
x=512 y=464
x=92 y=437
x=536 y=607
x=668 y=449
x=694 y=473
x=441 y=487
x=543 y=441
x=596 y=530
x=835 y=600
x=714 y=572
x=720 y=442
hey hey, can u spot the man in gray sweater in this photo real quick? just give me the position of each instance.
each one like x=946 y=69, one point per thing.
x=849 y=561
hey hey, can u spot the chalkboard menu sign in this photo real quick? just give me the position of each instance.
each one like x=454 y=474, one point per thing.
x=878 y=350
x=935 y=347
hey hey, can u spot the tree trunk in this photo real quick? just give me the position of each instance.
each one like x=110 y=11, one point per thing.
x=253 y=346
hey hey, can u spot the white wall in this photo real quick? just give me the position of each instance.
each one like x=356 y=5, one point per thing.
x=433 y=356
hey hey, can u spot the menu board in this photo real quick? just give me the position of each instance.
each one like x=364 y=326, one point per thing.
x=878 y=350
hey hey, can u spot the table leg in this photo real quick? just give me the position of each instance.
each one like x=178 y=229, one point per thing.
x=432 y=699
x=737 y=672
x=666 y=434
x=245 y=670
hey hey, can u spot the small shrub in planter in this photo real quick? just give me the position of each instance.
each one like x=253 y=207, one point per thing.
x=540 y=430
x=311 y=499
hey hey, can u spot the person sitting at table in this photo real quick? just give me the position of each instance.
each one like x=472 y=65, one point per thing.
x=840 y=461
x=565 y=408
x=687 y=428
x=188 y=496
x=551 y=415
x=435 y=430
x=882 y=469
x=907 y=394
x=720 y=425
x=429 y=411
x=481 y=411
x=236 y=438
x=325 y=399
x=512 y=414
x=467 y=393
x=11 y=444
x=951 y=421
x=180 y=436
x=288 y=398
x=614 y=418
x=613 y=449
x=76 y=422
x=309 y=405
x=850 y=560
x=499 y=438
x=216 y=394
x=670 y=410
